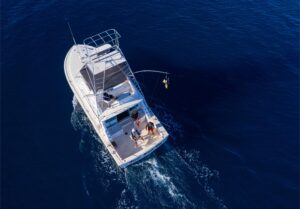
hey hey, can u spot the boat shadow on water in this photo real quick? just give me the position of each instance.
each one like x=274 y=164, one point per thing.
x=167 y=178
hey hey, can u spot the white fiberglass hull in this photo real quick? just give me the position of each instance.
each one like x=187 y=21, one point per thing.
x=71 y=65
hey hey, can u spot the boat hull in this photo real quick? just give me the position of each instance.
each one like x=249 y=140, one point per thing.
x=98 y=124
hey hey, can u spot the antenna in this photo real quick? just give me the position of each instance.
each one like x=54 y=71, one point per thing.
x=71 y=33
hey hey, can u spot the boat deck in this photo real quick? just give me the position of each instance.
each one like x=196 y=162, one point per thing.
x=108 y=117
x=125 y=145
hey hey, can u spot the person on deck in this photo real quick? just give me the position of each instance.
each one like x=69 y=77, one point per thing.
x=150 y=128
x=135 y=135
x=108 y=97
x=135 y=117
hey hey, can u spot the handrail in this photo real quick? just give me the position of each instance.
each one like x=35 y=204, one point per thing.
x=110 y=36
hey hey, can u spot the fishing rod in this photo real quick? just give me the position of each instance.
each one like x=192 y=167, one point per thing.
x=151 y=71
x=166 y=80
x=71 y=33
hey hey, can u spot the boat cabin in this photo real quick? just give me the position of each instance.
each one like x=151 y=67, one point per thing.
x=106 y=79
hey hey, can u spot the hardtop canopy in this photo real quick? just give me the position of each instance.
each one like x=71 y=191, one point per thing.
x=105 y=79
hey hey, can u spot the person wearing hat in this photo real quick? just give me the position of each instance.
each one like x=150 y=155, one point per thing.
x=135 y=117
x=136 y=135
x=150 y=128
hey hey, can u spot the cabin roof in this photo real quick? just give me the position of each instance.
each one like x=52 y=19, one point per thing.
x=111 y=77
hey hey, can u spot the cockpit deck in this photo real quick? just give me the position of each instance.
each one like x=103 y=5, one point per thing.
x=121 y=138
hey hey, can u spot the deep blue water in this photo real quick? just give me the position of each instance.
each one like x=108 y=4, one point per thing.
x=232 y=109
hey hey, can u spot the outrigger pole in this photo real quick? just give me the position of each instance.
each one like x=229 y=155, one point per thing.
x=71 y=33
x=166 y=80
x=151 y=71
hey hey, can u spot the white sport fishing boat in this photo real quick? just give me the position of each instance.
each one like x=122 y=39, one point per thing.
x=108 y=92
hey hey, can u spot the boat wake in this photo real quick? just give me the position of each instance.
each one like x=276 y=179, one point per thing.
x=168 y=178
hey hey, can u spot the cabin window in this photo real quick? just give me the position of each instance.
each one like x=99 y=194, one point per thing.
x=122 y=116
x=111 y=122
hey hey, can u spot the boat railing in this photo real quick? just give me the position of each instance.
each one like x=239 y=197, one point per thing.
x=132 y=78
x=127 y=71
x=110 y=36
x=91 y=99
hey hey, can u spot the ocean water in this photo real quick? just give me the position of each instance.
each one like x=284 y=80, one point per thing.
x=232 y=108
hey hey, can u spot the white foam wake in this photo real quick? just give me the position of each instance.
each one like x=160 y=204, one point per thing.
x=166 y=179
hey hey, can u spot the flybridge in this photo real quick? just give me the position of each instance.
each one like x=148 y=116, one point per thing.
x=105 y=65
